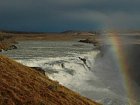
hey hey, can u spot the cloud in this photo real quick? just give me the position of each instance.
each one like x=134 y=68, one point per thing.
x=120 y=14
x=116 y=20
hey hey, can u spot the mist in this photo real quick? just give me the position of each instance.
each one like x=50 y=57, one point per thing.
x=107 y=68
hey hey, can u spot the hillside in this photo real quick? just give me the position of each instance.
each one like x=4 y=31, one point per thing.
x=22 y=85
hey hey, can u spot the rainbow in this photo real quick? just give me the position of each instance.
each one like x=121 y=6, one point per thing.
x=121 y=60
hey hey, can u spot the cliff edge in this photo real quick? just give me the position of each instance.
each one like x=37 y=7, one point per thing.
x=22 y=85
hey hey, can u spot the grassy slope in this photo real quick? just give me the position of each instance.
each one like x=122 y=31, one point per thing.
x=22 y=85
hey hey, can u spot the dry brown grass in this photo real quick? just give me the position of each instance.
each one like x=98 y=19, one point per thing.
x=42 y=36
x=6 y=41
x=21 y=85
x=53 y=37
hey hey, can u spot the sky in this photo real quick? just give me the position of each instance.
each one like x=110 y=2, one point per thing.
x=62 y=15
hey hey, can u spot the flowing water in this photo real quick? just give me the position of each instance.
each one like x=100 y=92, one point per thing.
x=76 y=65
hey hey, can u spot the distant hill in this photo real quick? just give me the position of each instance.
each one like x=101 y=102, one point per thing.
x=19 y=32
x=21 y=85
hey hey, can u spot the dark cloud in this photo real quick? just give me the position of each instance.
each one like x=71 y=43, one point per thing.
x=58 y=15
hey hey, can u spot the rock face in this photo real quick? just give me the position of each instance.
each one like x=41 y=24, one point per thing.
x=85 y=41
x=21 y=85
x=89 y=41
x=13 y=47
x=39 y=69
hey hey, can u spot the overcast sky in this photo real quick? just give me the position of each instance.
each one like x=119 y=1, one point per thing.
x=61 y=15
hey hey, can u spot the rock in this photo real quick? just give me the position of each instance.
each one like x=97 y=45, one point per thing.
x=85 y=41
x=13 y=47
x=62 y=65
x=6 y=47
x=95 y=43
x=1 y=50
x=82 y=59
x=39 y=69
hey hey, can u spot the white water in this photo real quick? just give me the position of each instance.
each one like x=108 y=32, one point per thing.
x=69 y=71
x=61 y=62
